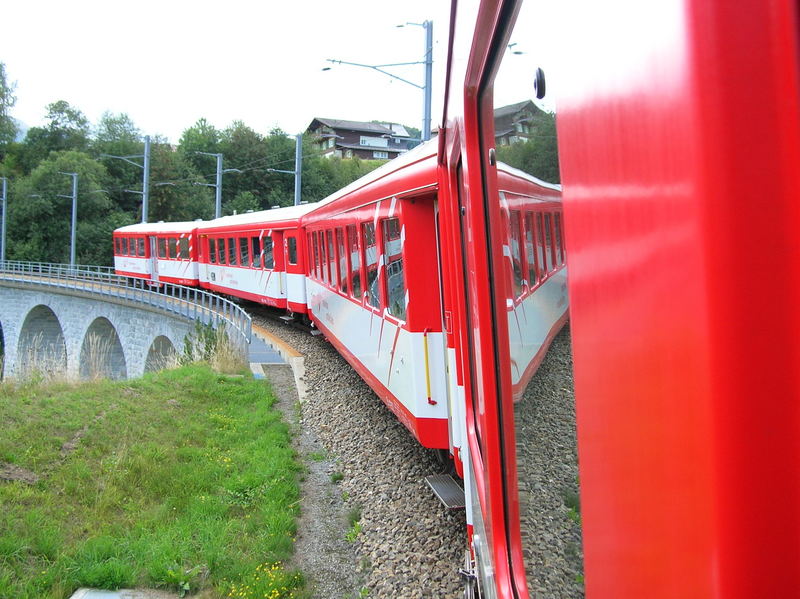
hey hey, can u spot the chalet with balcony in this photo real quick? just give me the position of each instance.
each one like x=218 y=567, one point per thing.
x=370 y=141
x=517 y=123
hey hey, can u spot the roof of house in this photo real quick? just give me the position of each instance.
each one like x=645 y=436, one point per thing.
x=352 y=125
x=513 y=108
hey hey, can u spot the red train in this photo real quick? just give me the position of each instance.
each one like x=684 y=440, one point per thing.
x=683 y=276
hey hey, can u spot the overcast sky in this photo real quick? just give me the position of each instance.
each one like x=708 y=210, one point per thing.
x=168 y=63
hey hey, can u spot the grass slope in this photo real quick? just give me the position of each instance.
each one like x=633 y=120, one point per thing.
x=184 y=479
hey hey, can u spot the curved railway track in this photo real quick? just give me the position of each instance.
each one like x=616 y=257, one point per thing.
x=409 y=545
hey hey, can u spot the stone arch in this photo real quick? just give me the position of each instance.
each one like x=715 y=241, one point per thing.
x=41 y=347
x=162 y=354
x=101 y=352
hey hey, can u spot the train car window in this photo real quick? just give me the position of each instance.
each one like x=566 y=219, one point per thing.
x=310 y=250
x=255 y=252
x=316 y=255
x=124 y=246
x=244 y=259
x=269 y=259
x=516 y=253
x=371 y=261
x=172 y=245
x=559 y=239
x=183 y=244
x=291 y=250
x=331 y=258
x=541 y=252
x=162 y=247
x=140 y=247
x=342 y=260
x=529 y=250
x=212 y=250
x=232 y=251
x=222 y=255
x=395 y=279
x=116 y=246
x=323 y=258
x=548 y=240
x=355 y=260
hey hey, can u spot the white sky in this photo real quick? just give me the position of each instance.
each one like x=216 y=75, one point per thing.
x=168 y=63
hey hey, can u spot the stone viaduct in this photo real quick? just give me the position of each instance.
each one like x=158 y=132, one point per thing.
x=70 y=330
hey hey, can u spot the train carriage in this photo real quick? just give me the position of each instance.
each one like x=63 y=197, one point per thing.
x=165 y=252
x=373 y=288
x=258 y=256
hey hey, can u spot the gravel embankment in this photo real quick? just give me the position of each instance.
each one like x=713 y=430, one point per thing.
x=409 y=545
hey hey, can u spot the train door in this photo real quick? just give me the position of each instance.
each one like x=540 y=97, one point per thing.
x=295 y=278
x=280 y=262
x=202 y=258
x=153 y=258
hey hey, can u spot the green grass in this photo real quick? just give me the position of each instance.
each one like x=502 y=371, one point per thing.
x=184 y=479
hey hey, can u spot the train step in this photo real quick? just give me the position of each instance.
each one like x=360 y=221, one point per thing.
x=287 y=318
x=316 y=332
x=447 y=489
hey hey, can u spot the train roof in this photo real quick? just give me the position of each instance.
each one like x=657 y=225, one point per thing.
x=160 y=227
x=275 y=215
x=423 y=152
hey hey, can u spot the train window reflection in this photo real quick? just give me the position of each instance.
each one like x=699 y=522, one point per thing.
x=395 y=281
x=255 y=252
x=232 y=251
x=269 y=260
x=291 y=250
x=537 y=401
x=212 y=251
x=331 y=258
x=371 y=262
x=355 y=260
x=342 y=260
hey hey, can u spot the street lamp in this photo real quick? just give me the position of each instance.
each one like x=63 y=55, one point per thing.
x=426 y=87
x=218 y=185
x=145 y=193
x=74 y=197
x=298 y=167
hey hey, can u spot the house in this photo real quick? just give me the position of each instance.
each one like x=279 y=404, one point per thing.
x=517 y=123
x=372 y=141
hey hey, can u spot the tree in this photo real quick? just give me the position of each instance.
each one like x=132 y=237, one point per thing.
x=200 y=137
x=117 y=135
x=39 y=220
x=538 y=156
x=8 y=127
x=173 y=193
x=67 y=129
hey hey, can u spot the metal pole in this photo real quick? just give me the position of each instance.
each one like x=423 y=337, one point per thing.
x=298 y=167
x=146 y=181
x=218 y=190
x=74 y=219
x=3 y=230
x=426 y=108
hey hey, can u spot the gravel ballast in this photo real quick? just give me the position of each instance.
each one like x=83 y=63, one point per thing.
x=409 y=545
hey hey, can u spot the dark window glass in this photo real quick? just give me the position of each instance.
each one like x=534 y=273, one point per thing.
x=212 y=251
x=172 y=248
x=255 y=252
x=232 y=251
x=395 y=280
x=371 y=262
x=541 y=253
x=222 y=255
x=559 y=239
x=548 y=236
x=124 y=246
x=291 y=250
x=269 y=260
x=516 y=256
x=162 y=247
x=140 y=247
x=331 y=258
x=323 y=257
x=342 y=260
x=355 y=260
x=529 y=250
x=117 y=247
x=183 y=245
x=244 y=259
x=316 y=256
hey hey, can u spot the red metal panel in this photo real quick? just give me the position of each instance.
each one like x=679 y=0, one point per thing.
x=679 y=144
